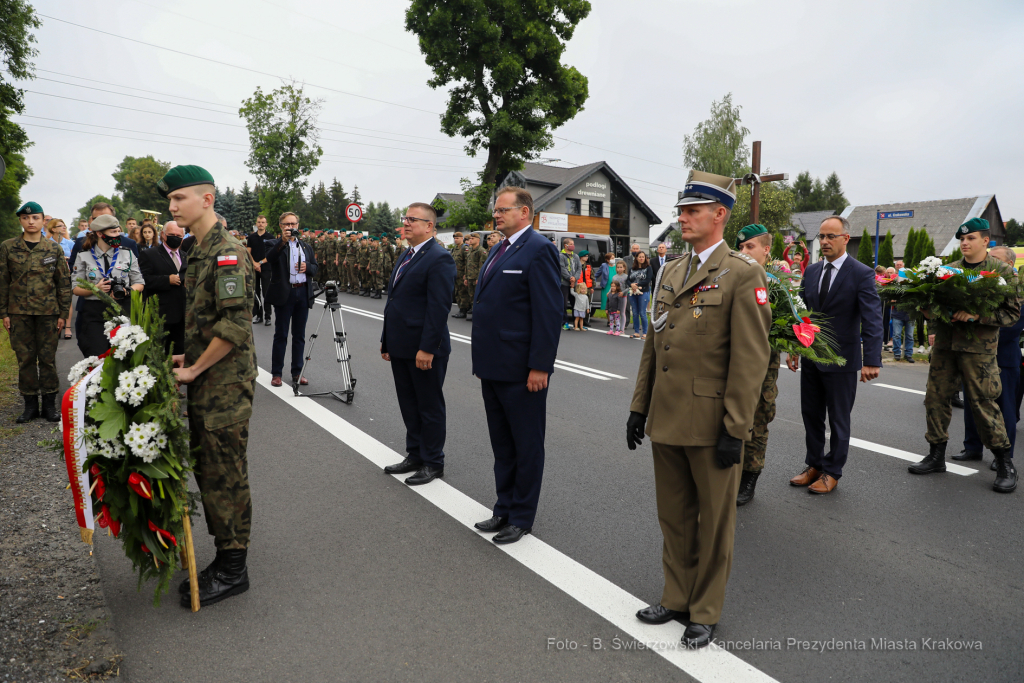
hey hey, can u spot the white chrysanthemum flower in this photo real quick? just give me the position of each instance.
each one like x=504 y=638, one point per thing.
x=109 y=326
x=146 y=440
x=1002 y=281
x=81 y=368
x=799 y=303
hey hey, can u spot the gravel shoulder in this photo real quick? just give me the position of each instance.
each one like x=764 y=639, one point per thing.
x=55 y=625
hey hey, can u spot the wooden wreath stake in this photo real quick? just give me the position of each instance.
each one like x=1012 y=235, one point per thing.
x=189 y=558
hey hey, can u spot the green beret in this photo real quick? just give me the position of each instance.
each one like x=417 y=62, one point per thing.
x=973 y=225
x=749 y=231
x=584 y=253
x=183 y=176
x=29 y=208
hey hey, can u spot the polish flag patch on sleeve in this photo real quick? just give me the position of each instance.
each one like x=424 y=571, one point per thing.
x=762 y=295
x=232 y=261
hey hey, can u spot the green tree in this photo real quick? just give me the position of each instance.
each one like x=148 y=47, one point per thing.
x=814 y=195
x=319 y=208
x=121 y=212
x=833 y=194
x=1014 y=233
x=224 y=203
x=716 y=145
x=866 y=249
x=283 y=144
x=776 y=209
x=955 y=256
x=470 y=214
x=136 y=177
x=910 y=249
x=885 y=251
x=925 y=248
x=778 y=246
x=247 y=207
x=339 y=200
x=10 y=194
x=502 y=62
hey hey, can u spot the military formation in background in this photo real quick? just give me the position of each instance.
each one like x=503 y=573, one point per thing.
x=360 y=265
x=469 y=258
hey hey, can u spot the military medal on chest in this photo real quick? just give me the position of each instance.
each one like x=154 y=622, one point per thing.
x=697 y=290
x=697 y=312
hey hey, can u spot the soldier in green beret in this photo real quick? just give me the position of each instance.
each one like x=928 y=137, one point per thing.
x=374 y=269
x=219 y=367
x=755 y=242
x=389 y=260
x=966 y=353
x=35 y=292
x=363 y=261
x=474 y=263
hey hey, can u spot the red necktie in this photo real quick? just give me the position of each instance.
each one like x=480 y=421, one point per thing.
x=501 y=250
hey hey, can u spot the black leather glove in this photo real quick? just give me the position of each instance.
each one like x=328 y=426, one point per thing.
x=635 y=430
x=729 y=451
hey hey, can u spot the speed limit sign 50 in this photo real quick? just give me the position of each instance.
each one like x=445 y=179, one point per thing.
x=354 y=212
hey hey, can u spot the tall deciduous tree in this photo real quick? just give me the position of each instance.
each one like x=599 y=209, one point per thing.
x=1014 y=232
x=866 y=249
x=776 y=209
x=472 y=213
x=17 y=19
x=283 y=144
x=502 y=59
x=121 y=212
x=136 y=177
x=716 y=145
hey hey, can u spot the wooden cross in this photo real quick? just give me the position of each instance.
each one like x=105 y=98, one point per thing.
x=755 y=178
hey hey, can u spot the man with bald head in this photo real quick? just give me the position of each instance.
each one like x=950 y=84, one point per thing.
x=163 y=268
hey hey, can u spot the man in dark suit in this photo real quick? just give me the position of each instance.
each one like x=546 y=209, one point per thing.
x=415 y=341
x=842 y=290
x=518 y=308
x=660 y=259
x=293 y=267
x=163 y=268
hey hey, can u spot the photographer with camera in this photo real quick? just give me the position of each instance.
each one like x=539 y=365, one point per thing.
x=293 y=267
x=103 y=261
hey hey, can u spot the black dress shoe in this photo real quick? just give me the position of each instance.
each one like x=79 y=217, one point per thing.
x=425 y=475
x=492 y=524
x=656 y=614
x=698 y=635
x=404 y=467
x=509 y=534
x=967 y=455
x=230 y=578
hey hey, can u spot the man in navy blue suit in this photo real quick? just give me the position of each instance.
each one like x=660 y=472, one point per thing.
x=415 y=341
x=842 y=290
x=517 y=320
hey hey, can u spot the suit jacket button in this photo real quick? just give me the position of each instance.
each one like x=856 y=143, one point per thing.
x=718 y=393
x=677 y=305
x=666 y=347
x=702 y=300
x=672 y=326
x=665 y=369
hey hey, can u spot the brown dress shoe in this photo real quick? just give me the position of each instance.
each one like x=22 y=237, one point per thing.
x=275 y=382
x=808 y=476
x=825 y=484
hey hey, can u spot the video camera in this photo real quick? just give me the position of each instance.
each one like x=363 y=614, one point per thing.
x=329 y=290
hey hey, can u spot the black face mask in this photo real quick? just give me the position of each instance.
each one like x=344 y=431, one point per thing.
x=173 y=241
x=112 y=241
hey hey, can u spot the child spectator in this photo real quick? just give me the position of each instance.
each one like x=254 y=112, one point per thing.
x=616 y=309
x=581 y=304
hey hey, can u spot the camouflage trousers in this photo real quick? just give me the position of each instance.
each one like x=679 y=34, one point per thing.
x=979 y=373
x=219 y=441
x=462 y=295
x=754 y=450
x=34 y=340
x=376 y=281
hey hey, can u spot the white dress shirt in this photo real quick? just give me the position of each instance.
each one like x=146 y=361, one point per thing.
x=296 y=257
x=837 y=264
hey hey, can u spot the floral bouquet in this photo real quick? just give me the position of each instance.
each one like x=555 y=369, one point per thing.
x=125 y=444
x=942 y=290
x=792 y=331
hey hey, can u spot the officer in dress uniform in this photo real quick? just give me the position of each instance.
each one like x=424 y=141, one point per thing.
x=755 y=242
x=696 y=392
x=35 y=294
x=219 y=367
x=966 y=352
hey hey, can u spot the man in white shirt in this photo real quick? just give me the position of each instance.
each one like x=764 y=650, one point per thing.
x=294 y=266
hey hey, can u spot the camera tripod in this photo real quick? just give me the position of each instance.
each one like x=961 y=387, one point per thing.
x=346 y=394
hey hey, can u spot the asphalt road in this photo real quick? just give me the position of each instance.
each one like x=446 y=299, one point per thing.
x=355 y=577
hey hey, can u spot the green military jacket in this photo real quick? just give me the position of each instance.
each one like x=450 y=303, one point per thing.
x=364 y=256
x=461 y=256
x=219 y=283
x=34 y=281
x=375 y=262
x=474 y=262
x=705 y=356
x=986 y=330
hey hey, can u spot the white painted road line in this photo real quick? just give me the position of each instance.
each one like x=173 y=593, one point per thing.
x=560 y=364
x=908 y=456
x=710 y=665
x=893 y=386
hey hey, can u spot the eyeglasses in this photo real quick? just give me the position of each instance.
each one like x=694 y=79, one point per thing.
x=501 y=210
x=289 y=225
x=830 y=237
x=413 y=219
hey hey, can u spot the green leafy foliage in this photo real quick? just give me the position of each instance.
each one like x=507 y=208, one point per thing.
x=957 y=255
x=17 y=19
x=885 y=251
x=813 y=195
x=135 y=178
x=944 y=293
x=866 y=249
x=283 y=145
x=470 y=214
x=121 y=211
x=716 y=145
x=788 y=309
x=501 y=63
x=909 y=251
x=776 y=209
x=17 y=175
x=1014 y=233
x=778 y=246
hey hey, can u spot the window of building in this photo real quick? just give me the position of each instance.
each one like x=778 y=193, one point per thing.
x=597 y=209
x=572 y=207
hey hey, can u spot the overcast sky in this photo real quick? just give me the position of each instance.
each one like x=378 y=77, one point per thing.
x=906 y=101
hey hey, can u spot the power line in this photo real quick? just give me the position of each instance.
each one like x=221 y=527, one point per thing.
x=678 y=168
x=235 y=66
x=321 y=20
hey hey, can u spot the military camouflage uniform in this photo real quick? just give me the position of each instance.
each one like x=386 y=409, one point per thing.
x=363 y=259
x=375 y=266
x=220 y=399
x=389 y=262
x=462 y=295
x=957 y=358
x=754 y=449
x=474 y=264
x=35 y=291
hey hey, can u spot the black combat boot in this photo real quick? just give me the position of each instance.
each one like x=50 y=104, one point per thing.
x=460 y=314
x=50 y=407
x=967 y=455
x=231 y=577
x=957 y=401
x=748 y=481
x=1006 y=473
x=203 y=576
x=376 y=294
x=935 y=461
x=31 y=410
x=366 y=292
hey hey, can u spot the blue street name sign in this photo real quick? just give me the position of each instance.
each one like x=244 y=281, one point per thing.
x=882 y=215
